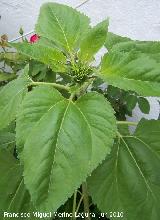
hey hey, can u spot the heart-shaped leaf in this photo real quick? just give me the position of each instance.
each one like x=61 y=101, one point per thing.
x=66 y=137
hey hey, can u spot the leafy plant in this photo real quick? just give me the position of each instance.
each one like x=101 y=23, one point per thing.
x=10 y=61
x=71 y=143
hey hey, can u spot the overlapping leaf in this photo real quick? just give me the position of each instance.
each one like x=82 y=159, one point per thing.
x=93 y=41
x=129 y=181
x=62 y=24
x=126 y=44
x=114 y=39
x=66 y=137
x=11 y=96
x=45 y=54
x=14 y=198
x=132 y=65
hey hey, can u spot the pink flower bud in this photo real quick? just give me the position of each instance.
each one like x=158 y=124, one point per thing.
x=34 y=38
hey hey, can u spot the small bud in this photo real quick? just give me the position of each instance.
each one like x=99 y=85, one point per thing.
x=21 y=32
x=34 y=38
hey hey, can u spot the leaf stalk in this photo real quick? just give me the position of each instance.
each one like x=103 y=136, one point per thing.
x=74 y=205
x=86 y=200
x=58 y=86
x=131 y=123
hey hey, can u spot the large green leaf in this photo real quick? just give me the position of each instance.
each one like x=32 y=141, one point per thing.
x=14 y=198
x=132 y=70
x=34 y=106
x=129 y=181
x=132 y=65
x=62 y=24
x=99 y=115
x=67 y=137
x=47 y=55
x=93 y=41
x=10 y=98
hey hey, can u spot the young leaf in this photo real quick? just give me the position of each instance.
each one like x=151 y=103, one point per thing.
x=132 y=70
x=144 y=105
x=13 y=194
x=93 y=41
x=47 y=55
x=10 y=98
x=128 y=181
x=63 y=148
x=62 y=24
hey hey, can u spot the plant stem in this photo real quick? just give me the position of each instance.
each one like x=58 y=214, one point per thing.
x=86 y=200
x=127 y=123
x=71 y=98
x=74 y=205
x=84 y=87
x=58 y=86
x=80 y=201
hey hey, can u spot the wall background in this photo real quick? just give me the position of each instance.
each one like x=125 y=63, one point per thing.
x=137 y=19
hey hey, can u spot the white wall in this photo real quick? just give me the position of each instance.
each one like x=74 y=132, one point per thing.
x=138 y=19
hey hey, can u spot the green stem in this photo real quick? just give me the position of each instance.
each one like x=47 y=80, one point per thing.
x=74 y=205
x=58 y=86
x=86 y=200
x=127 y=123
x=71 y=98
x=80 y=201
x=81 y=91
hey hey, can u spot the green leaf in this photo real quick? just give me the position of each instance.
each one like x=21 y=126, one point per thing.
x=131 y=101
x=6 y=138
x=132 y=70
x=99 y=114
x=144 y=105
x=113 y=39
x=124 y=44
x=35 y=105
x=10 y=98
x=62 y=24
x=132 y=65
x=14 y=197
x=6 y=76
x=93 y=41
x=56 y=146
x=47 y=55
x=11 y=57
x=128 y=181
